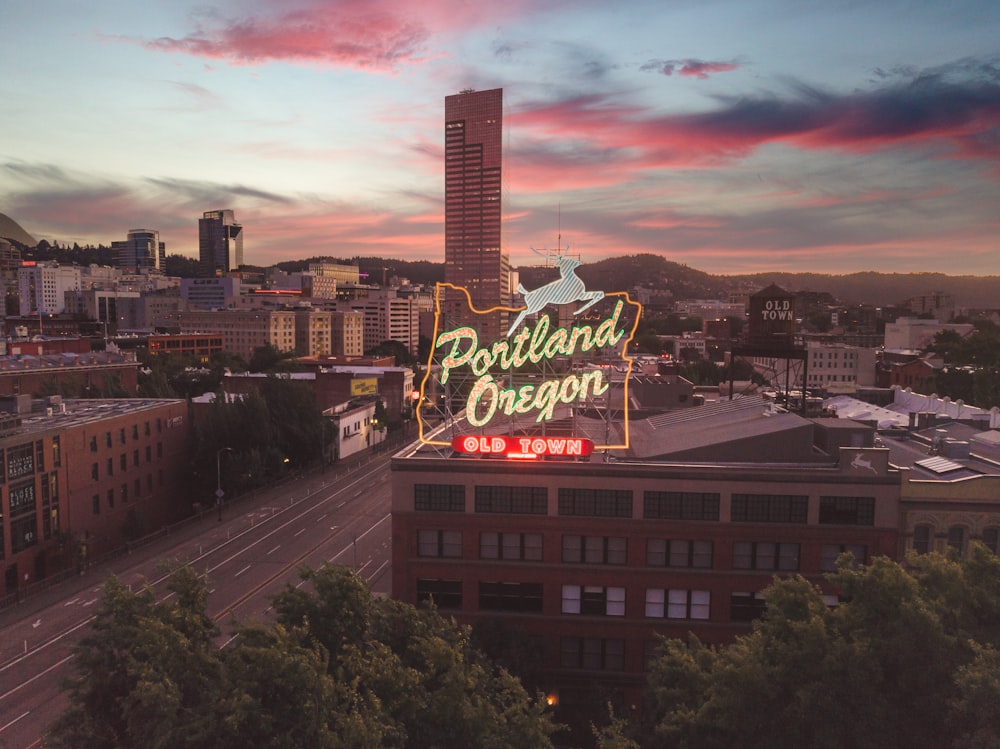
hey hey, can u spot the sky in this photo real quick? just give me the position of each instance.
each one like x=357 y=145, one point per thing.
x=732 y=136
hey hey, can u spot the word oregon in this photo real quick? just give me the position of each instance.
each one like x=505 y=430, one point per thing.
x=487 y=396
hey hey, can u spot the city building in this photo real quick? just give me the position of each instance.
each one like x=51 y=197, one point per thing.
x=211 y=293
x=474 y=256
x=81 y=477
x=595 y=555
x=65 y=368
x=141 y=252
x=388 y=317
x=199 y=345
x=42 y=287
x=220 y=243
x=243 y=331
x=918 y=333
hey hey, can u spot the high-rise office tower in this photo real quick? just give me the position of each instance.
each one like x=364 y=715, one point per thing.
x=220 y=243
x=474 y=258
x=141 y=252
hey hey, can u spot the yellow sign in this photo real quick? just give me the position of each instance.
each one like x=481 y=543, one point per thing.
x=364 y=387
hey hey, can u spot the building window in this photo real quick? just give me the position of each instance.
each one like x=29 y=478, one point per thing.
x=749 y=555
x=510 y=546
x=124 y=493
x=93 y=444
x=593 y=600
x=93 y=471
x=592 y=653
x=432 y=543
x=601 y=503
x=595 y=549
x=523 y=597
x=121 y=435
x=439 y=497
x=526 y=500
x=159 y=450
x=135 y=431
x=847 y=510
x=745 y=607
x=96 y=504
x=147 y=429
x=107 y=439
x=680 y=506
x=135 y=458
x=923 y=536
x=111 y=467
x=56 y=451
x=991 y=539
x=830 y=552
x=674 y=553
x=20 y=461
x=769 y=508
x=956 y=538
x=446 y=594
x=123 y=461
x=137 y=486
x=149 y=454
x=678 y=604
x=111 y=498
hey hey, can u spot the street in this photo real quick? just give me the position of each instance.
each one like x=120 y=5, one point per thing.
x=339 y=516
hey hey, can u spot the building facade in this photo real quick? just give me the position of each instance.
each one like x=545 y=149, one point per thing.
x=42 y=287
x=142 y=251
x=220 y=243
x=474 y=255
x=243 y=331
x=594 y=559
x=81 y=477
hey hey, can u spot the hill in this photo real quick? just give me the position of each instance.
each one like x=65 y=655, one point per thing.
x=12 y=231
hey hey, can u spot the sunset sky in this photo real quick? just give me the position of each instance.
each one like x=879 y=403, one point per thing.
x=733 y=136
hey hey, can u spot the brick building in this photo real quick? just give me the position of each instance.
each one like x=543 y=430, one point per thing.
x=594 y=557
x=80 y=477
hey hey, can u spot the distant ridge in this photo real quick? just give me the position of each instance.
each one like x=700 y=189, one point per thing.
x=12 y=231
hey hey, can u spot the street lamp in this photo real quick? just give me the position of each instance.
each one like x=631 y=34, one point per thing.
x=219 y=494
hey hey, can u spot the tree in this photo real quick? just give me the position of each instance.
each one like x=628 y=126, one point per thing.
x=430 y=683
x=899 y=662
x=340 y=670
x=147 y=675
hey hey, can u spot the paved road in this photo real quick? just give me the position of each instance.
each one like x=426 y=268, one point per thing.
x=339 y=516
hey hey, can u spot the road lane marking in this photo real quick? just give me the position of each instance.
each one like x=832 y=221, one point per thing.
x=22 y=715
x=242 y=570
x=274 y=549
x=299 y=533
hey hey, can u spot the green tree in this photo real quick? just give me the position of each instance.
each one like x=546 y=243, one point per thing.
x=431 y=685
x=899 y=662
x=146 y=675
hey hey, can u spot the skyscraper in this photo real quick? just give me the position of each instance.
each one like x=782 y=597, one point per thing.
x=141 y=252
x=474 y=258
x=220 y=243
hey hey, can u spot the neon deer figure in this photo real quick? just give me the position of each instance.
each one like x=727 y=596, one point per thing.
x=567 y=288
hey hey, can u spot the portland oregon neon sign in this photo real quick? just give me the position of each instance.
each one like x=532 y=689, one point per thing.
x=485 y=380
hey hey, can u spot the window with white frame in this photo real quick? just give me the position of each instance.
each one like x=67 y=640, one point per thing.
x=678 y=553
x=760 y=555
x=678 y=604
x=595 y=549
x=436 y=543
x=593 y=600
x=510 y=546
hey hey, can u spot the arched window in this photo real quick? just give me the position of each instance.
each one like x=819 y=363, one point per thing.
x=922 y=536
x=956 y=538
x=991 y=539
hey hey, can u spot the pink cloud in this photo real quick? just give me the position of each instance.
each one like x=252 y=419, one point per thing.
x=375 y=35
x=690 y=68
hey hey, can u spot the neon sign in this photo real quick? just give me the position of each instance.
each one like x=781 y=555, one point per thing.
x=539 y=370
x=522 y=447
